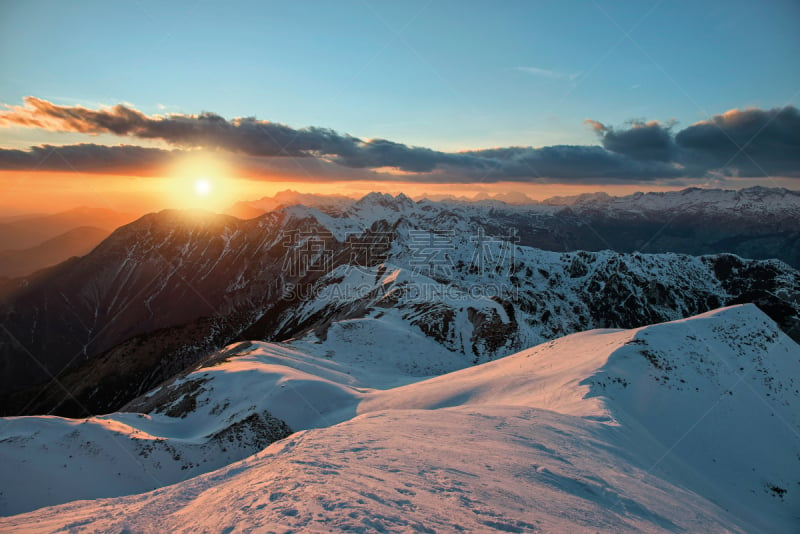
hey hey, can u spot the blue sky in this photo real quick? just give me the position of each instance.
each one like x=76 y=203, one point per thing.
x=109 y=103
x=446 y=75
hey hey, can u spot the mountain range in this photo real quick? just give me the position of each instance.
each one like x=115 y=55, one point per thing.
x=756 y=222
x=34 y=242
x=161 y=293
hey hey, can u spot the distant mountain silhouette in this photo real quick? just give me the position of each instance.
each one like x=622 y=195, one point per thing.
x=28 y=232
x=75 y=242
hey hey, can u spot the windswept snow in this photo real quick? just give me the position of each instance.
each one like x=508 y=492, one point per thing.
x=506 y=469
x=691 y=425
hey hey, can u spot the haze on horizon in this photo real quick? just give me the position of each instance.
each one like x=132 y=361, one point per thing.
x=148 y=106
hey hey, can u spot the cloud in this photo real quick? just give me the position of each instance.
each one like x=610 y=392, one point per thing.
x=751 y=142
x=383 y=153
x=549 y=74
x=89 y=158
x=580 y=164
x=745 y=143
x=641 y=141
x=638 y=151
x=242 y=135
x=40 y=113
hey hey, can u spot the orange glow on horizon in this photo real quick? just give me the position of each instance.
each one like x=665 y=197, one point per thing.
x=50 y=192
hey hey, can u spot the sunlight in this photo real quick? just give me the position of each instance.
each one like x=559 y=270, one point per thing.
x=202 y=187
x=201 y=181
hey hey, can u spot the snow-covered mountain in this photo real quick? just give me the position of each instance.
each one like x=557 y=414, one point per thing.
x=756 y=222
x=163 y=292
x=689 y=425
x=748 y=202
x=250 y=209
x=49 y=460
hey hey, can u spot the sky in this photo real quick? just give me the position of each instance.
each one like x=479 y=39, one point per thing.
x=132 y=102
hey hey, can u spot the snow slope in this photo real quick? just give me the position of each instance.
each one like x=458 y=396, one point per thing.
x=507 y=469
x=211 y=415
x=717 y=393
x=47 y=460
x=690 y=425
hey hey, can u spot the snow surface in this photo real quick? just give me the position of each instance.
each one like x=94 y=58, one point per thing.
x=690 y=425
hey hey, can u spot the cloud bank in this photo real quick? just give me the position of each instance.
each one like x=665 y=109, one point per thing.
x=89 y=158
x=749 y=143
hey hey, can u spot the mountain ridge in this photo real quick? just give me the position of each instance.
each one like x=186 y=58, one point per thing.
x=592 y=440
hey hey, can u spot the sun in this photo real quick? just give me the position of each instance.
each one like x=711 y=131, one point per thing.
x=203 y=181
x=202 y=187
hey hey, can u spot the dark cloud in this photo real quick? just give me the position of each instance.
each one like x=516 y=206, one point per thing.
x=243 y=135
x=573 y=163
x=749 y=143
x=643 y=141
x=89 y=158
x=580 y=164
x=640 y=151
x=382 y=153
x=752 y=142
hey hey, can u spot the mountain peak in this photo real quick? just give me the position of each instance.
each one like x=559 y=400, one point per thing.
x=384 y=200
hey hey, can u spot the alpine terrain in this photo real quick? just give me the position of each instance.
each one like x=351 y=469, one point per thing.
x=689 y=425
x=392 y=365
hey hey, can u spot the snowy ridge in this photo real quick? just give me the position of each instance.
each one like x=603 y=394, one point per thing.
x=449 y=315
x=486 y=313
x=733 y=365
x=256 y=208
x=610 y=430
x=48 y=460
x=751 y=201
